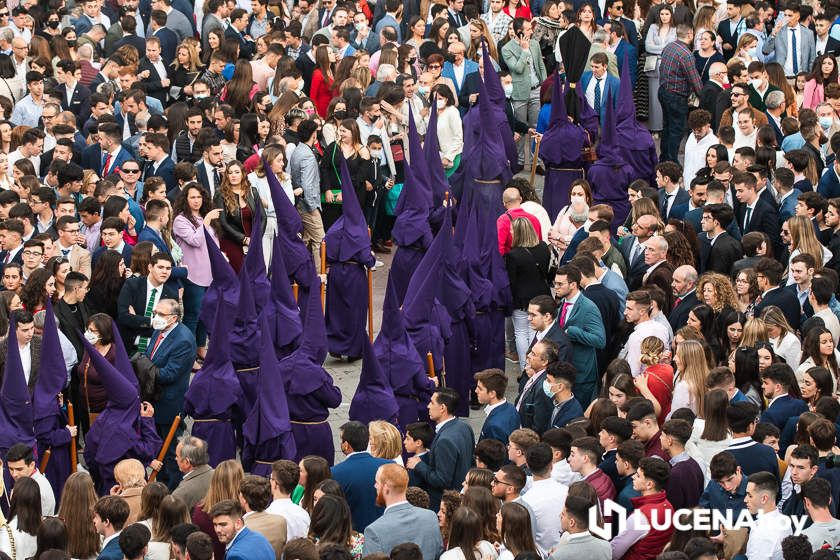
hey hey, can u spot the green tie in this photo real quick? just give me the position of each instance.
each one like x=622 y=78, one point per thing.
x=144 y=340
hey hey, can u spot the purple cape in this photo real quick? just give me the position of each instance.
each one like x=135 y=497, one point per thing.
x=374 y=398
x=16 y=414
x=496 y=96
x=610 y=175
x=284 y=321
x=634 y=139
x=304 y=371
x=245 y=325
x=255 y=266
x=411 y=227
x=224 y=289
x=267 y=430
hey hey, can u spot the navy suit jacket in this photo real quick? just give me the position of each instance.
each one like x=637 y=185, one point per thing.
x=446 y=464
x=138 y=43
x=776 y=130
x=782 y=409
x=829 y=185
x=625 y=48
x=250 y=545
x=567 y=412
x=788 y=206
x=721 y=256
x=174 y=357
x=571 y=250
x=636 y=268
x=448 y=72
x=693 y=217
x=126 y=253
x=679 y=314
x=133 y=293
x=610 y=84
x=356 y=475
x=559 y=337
x=501 y=421
x=92 y=158
x=165 y=171
x=168 y=44
x=112 y=551
x=79 y=105
x=764 y=219
x=534 y=405
x=678 y=208
x=148 y=234
x=784 y=300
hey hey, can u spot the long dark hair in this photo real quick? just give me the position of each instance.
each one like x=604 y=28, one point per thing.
x=715 y=426
x=481 y=500
x=33 y=296
x=817 y=73
x=727 y=317
x=51 y=534
x=317 y=470
x=746 y=371
x=331 y=521
x=239 y=87
x=823 y=380
x=465 y=531
x=26 y=505
x=150 y=498
x=517 y=534
x=106 y=274
x=811 y=349
x=249 y=131
x=182 y=208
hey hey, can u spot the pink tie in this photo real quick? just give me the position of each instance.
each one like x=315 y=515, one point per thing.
x=563 y=313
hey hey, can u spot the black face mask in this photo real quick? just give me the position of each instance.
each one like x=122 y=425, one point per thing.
x=340 y=115
x=71 y=43
x=53 y=24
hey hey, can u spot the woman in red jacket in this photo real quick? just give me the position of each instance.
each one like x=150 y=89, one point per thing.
x=323 y=87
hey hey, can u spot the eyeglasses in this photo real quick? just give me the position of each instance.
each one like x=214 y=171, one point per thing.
x=130 y=170
x=32 y=254
x=497 y=481
x=433 y=66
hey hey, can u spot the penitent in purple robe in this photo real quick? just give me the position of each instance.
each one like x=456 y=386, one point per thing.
x=561 y=149
x=401 y=364
x=349 y=256
x=213 y=396
x=310 y=390
x=374 y=397
x=224 y=289
x=243 y=333
x=119 y=431
x=50 y=421
x=635 y=143
x=255 y=268
x=610 y=175
x=284 y=320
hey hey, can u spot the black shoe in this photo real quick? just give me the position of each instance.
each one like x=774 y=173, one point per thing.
x=351 y=359
x=380 y=248
x=334 y=355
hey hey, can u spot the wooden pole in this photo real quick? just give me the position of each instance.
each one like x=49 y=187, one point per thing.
x=71 y=419
x=166 y=443
x=295 y=290
x=430 y=360
x=370 y=304
x=323 y=271
x=535 y=159
x=45 y=460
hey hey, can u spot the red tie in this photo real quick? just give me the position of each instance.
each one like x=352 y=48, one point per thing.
x=155 y=347
x=107 y=164
x=563 y=313
x=676 y=302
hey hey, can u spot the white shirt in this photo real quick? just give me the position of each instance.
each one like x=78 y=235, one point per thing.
x=442 y=424
x=297 y=520
x=791 y=32
x=563 y=473
x=547 y=498
x=541 y=334
x=695 y=155
x=632 y=350
x=590 y=91
x=459 y=72
x=47 y=496
x=26 y=360
x=788 y=348
x=25 y=544
x=491 y=407
x=765 y=542
x=161 y=68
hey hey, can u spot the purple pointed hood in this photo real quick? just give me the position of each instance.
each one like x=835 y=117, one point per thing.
x=121 y=360
x=269 y=417
x=348 y=239
x=246 y=324
x=563 y=142
x=453 y=292
x=420 y=296
x=304 y=368
x=374 y=398
x=52 y=373
x=114 y=430
x=397 y=355
x=431 y=150
x=203 y=398
x=16 y=414
x=586 y=115
x=480 y=285
x=631 y=134
x=492 y=82
x=224 y=289
x=255 y=264
x=284 y=323
x=608 y=149
x=486 y=156
x=411 y=226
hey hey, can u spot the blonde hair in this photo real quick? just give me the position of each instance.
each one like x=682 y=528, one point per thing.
x=774 y=317
x=652 y=348
x=523 y=233
x=802 y=237
x=694 y=370
x=224 y=485
x=130 y=473
x=755 y=330
x=385 y=440
x=725 y=295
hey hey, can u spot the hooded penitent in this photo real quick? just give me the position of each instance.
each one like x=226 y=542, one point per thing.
x=242 y=334
x=374 y=397
x=255 y=266
x=634 y=139
x=284 y=321
x=610 y=175
x=224 y=289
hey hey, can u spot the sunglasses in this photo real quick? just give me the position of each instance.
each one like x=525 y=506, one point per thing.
x=130 y=170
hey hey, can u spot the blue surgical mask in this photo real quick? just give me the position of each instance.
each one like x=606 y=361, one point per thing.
x=547 y=389
x=826 y=122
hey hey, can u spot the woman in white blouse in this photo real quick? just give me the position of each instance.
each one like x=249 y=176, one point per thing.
x=692 y=370
x=449 y=128
x=172 y=512
x=465 y=542
x=513 y=522
x=785 y=343
x=18 y=534
x=660 y=34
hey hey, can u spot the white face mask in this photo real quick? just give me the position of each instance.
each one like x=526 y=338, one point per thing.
x=376 y=154
x=202 y=95
x=423 y=90
x=441 y=103
x=159 y=323
x=508 y=90
x=91 y=337
x=755 y=84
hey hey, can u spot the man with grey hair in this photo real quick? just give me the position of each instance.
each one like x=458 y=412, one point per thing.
x=172 y=349
x=384 y=73
x=684 y=288
x=192 y=458
x=601 y=44
x=579 y=217
x=660 y=271
x=775 y=102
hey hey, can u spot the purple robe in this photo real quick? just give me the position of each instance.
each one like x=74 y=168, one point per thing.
x=219 y=435
x=284 y=320
x=610 y=176
x=635 y=143
x=224 y=289
x=52 y=434
x=374 y=397
x=144 y=448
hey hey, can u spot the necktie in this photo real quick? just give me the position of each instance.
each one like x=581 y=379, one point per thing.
x=747 y=218
x=677 y=302
x=637 y=251
x=597 y=104
x=563 y=313
x=155 y=347
x=665 y=208
x=215 y=179
x=107 y=164
x=794 y=51
x=150 y=305
x=65 y=252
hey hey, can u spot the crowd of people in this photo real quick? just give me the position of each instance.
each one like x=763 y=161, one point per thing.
x=194 y=197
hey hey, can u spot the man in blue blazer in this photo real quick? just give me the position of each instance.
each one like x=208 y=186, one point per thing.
x=357 y=474
x=172 y=349
x=159 y=163
x=623 y=49
x=582 y=321
x=598 y=85
x=829 y=185
x=502 y=417
x=560 y=379
x=458 y=53
x=157 y=211
x=241 y=542
x=776 y=383
x=446 y=464
x=109 y=516
x=107 y=154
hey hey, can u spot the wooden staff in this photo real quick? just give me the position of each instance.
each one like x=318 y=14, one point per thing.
x=166 y=443
x=535 y=159
x=295 y=290
x=71 y=419
x=45 y=459
x=370 y=304
x=431 y=362
x=323 y=271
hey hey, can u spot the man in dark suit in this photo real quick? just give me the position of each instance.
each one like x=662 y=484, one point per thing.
x=113 y=512
x=633 y=249
x=236 y=30
x=615 y=12
x=207 y=168
x=168 y=38
x=542 y=315
x=150 y=69
x=673 y=200
x=606 y=300
x=12 y=243
x=159 y=163
x=130 y=37
x=110 y=232
x=446 y=464
x=241 y=542
x=718 y=250
x=357 y=474
x=776 y=384
x=755 y=214
x=172 y=349
x=72 y=312
x=768 y=274
x=79 y=102
x=684 y=288
x=502 y=417
x=157 y=212
x=533 y=405
x=108 y=154
x=660 y=271
x=455 y=14
x=138 y=299
x=711 y=91
x=28 y=342
x=730 y=28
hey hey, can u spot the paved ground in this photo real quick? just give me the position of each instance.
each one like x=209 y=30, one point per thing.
x=346 y=375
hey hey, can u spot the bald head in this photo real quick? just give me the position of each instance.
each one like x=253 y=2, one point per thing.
x=511 y=198
x=645 y=226
x=717 y=71
x=683 y=280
